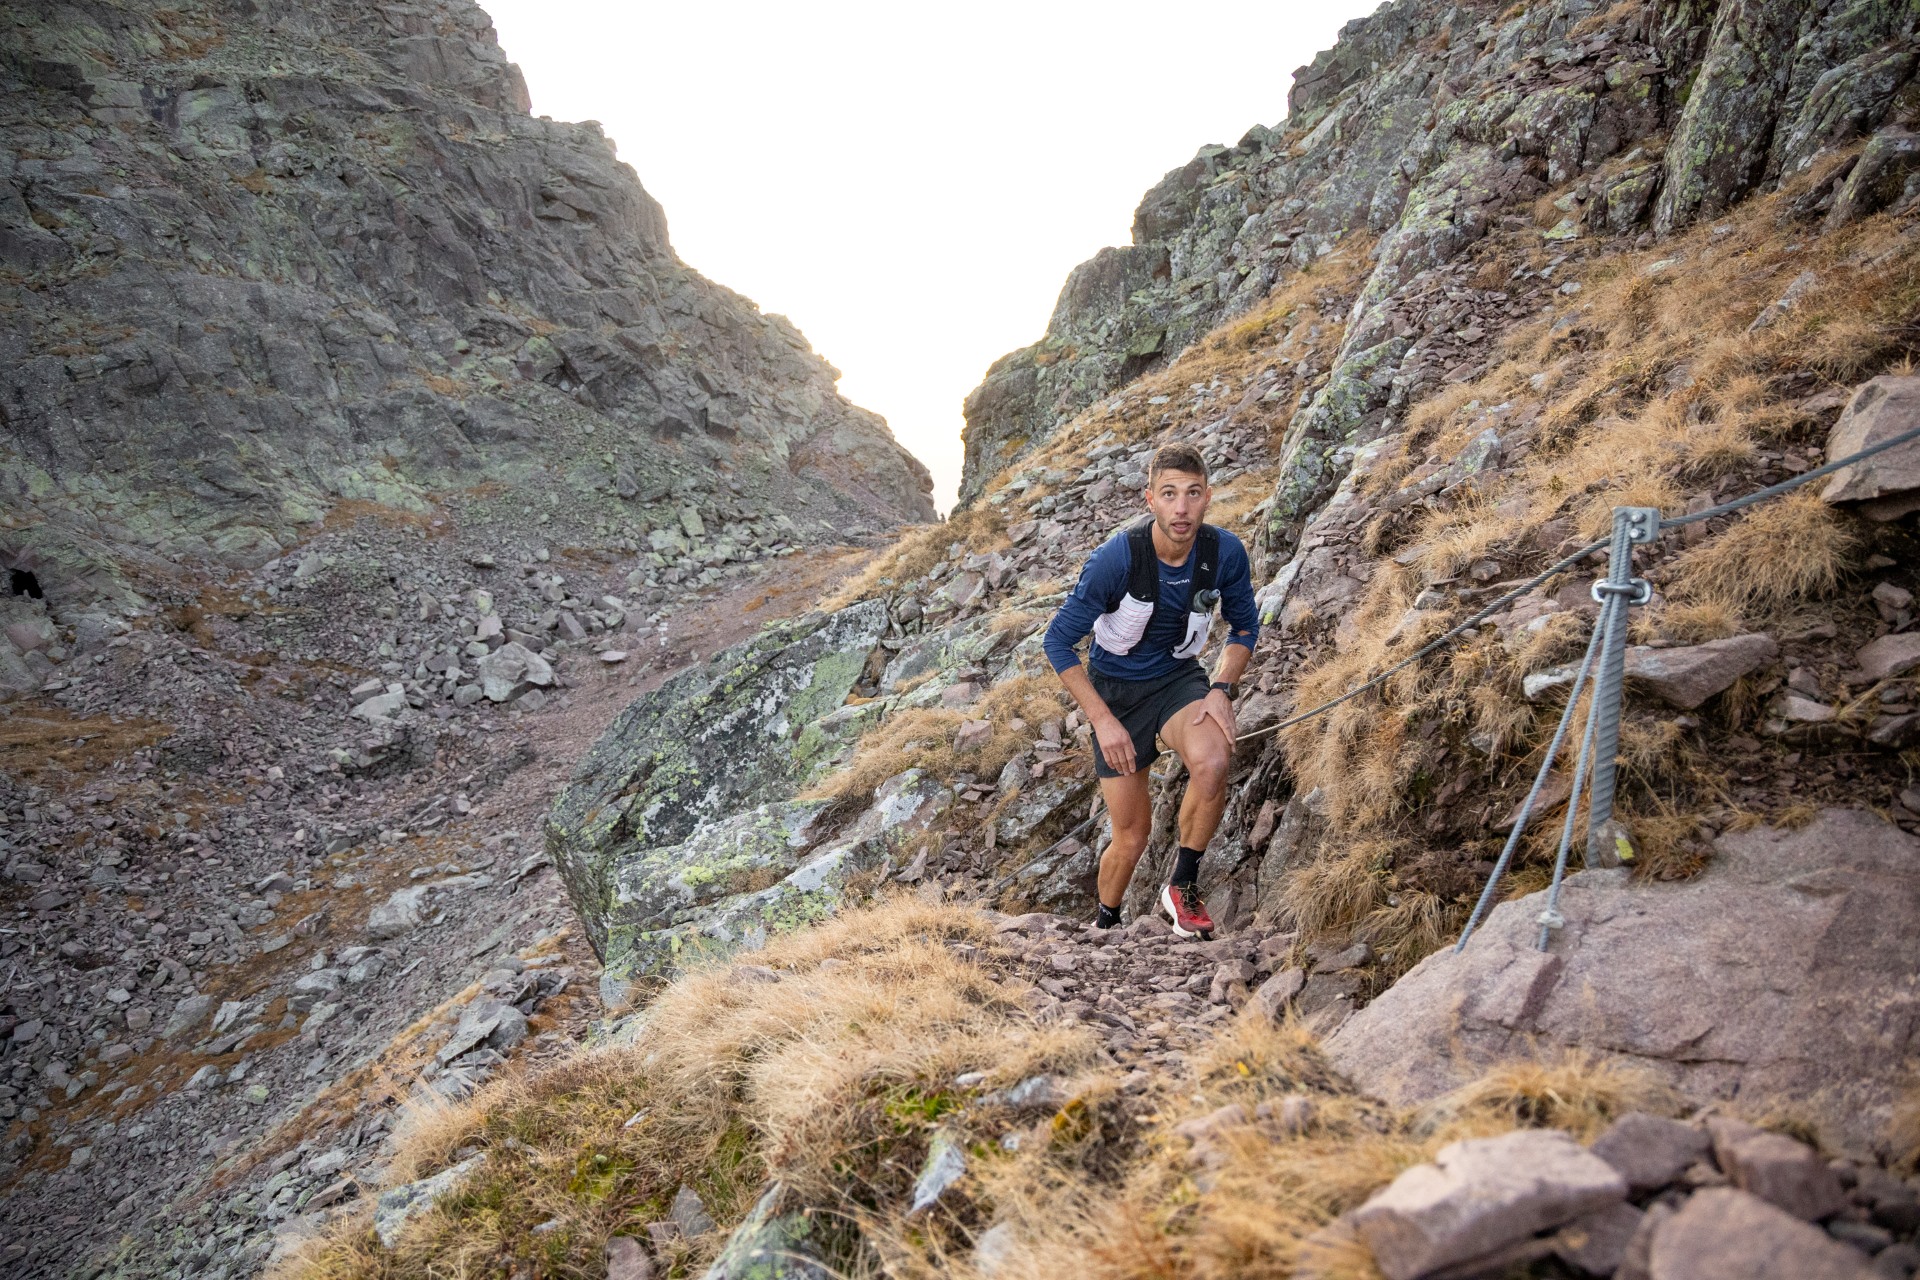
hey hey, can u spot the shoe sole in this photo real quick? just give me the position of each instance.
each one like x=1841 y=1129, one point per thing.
x=1166 y=904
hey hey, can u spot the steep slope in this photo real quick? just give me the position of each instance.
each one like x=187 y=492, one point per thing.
x=257 y=260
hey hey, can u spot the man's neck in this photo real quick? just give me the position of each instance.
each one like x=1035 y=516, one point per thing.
x=1169 y=551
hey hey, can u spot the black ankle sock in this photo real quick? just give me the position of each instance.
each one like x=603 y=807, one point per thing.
x=1186 y=866
x=1108 y=917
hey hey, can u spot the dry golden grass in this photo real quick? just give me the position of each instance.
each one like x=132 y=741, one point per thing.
x=1648 y=390
x=1335 y=891
x=1259 y=1201
x=46 y=740
x=1669 y=843
x=831 y=1080
x=1577 y=1091
x=981 y=529
x=1688 y=622
x=1777 y=554
x=828 y=1079
x=923 y=738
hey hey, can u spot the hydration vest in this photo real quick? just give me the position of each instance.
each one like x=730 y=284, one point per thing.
x=1120 y=628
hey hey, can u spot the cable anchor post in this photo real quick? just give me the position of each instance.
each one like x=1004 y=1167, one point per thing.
x=1632 y=526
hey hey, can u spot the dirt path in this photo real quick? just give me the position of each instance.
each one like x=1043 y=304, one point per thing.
x=205 y=1045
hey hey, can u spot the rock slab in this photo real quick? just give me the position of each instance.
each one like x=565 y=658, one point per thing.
x=1727 y=1234
x=1785 y=970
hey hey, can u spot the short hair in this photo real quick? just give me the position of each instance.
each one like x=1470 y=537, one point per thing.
x=1176 y=457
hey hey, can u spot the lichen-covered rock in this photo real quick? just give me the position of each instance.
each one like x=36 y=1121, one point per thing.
x=730 y=886
x=745 y=728
x=399 y=1205
x=771 y=1245
x=1719 y=150
x=1884 y=175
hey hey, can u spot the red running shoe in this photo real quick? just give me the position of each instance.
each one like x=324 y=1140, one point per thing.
x=1182 y=903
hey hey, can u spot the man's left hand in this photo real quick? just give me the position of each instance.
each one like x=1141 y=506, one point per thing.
x=1219 y=707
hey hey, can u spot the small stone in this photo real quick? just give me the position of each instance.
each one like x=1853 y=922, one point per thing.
x=1597 y=1243
x=1650 y=1151
x=1795 y=708
x=1727 y=1234
x=610 y=657
x=945 y=1165
x=627 y=1259
x=1891 y=600
x=1890 y=655
x=1273 y=996
x=973 y=733
x=1787 y=1174
x=689 y=1214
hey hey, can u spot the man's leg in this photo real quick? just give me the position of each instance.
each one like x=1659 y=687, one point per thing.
x=1204 y=749
x=1130 y=806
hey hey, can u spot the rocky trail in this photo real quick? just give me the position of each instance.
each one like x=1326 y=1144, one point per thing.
x=233 y=960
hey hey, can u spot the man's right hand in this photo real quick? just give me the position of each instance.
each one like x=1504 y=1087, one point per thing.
x=1116 y=744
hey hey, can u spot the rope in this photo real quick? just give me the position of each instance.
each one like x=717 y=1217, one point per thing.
x=1787 y=486
x=1560 y=566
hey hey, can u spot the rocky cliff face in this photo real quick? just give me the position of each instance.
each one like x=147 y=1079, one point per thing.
x=257 y=260
x=1414 y=136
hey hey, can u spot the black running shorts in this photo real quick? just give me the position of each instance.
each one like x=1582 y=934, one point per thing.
x=1144 y=706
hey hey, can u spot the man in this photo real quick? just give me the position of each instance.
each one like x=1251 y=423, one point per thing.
x=1147 y=597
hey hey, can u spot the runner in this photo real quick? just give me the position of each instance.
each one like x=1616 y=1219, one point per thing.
x=1147 y=598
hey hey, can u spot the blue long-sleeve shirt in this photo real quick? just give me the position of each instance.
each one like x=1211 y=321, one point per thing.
x=1104 y=581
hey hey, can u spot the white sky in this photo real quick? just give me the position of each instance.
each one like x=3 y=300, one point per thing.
x=910 y=184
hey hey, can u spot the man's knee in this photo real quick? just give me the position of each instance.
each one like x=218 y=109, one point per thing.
x=1207 y=771
x=1131 y=841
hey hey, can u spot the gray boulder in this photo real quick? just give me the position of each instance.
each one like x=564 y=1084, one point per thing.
x=511 y=671
x=1746 y=983
x=399 y=914
x=1886 y=486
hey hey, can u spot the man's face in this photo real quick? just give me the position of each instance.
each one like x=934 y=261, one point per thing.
x=1178 y=500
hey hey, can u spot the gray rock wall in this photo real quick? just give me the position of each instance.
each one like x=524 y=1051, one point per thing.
x=1426 y=126
x=257 y=259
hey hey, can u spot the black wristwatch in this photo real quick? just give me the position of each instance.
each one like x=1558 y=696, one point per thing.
x=1232 y=691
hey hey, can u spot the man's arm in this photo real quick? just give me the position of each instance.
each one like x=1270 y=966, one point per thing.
x=1102 y=580
x=1116 y=744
